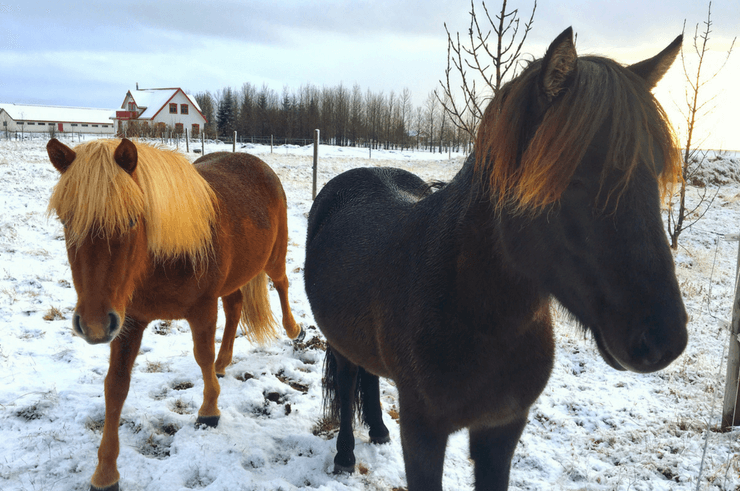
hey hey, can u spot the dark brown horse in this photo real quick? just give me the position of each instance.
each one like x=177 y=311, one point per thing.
x=448 y=292
x=150 y=236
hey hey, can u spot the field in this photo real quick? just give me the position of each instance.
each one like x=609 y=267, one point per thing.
x=592 y=429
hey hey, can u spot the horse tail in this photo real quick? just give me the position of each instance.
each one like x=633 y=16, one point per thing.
x=257 y=322
x=332 y=406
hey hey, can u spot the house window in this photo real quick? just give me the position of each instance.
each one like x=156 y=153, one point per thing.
x=195 y=130
x=173 y=108
x=41 y=124
x=31 y=124
x=74 y=124
x=95 y=126
x=5 y=123
x=84 y=126
x=183 y=108
x=105 y=126
x=131 y=106
x=178 y=128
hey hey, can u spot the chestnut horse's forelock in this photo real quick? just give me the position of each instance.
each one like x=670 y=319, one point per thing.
x=530 y=175
x=96 y=196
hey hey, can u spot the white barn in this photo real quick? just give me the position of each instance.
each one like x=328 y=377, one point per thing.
x=30 y=118
x=156 y=109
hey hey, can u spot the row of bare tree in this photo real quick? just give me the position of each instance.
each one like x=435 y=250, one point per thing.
x=345 y=116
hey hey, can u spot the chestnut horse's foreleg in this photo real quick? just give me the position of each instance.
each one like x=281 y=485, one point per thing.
x=232 y=310
x=492 y=449
x=423 y=444
x=203 y=328
x=123 y=351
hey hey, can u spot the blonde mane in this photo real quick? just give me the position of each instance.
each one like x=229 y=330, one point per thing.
x=95 y=196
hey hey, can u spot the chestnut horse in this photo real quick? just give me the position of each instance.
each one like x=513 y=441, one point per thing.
x=151 y=236
x=448 y=292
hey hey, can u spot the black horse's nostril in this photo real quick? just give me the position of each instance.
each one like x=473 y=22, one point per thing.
x=653 y=352
x=77 y=326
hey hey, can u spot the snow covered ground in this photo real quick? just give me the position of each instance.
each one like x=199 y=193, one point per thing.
x=592 y=429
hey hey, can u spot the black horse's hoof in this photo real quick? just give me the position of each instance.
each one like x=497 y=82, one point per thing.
x=220 y=375
x=344 y=469
x=379 y=440
x=209 y=421
x=301 y=336
x=112 y=487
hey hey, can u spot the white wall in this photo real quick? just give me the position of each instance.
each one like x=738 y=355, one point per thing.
x=187 y=120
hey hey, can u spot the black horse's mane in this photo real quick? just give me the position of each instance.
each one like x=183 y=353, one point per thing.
x=530 y=175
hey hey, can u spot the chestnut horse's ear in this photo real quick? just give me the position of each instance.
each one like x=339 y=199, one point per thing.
x=653 y=69
x=558 y=65
x=126 y=156
x=61 y=155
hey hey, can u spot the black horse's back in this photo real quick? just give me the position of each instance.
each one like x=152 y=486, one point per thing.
x=360 y=193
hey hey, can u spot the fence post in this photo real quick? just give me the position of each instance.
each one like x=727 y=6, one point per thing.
x=187 y=142
x=203 y=142
x=270 y=143
x=730 y=413
x=234 y=144
x=315 y=160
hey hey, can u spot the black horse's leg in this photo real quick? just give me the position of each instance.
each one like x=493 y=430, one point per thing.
x=369 y=384
x=346 y=379
x=492 y=449
x=424 y=446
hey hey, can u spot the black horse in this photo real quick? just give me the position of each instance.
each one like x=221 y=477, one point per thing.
x=448 y=292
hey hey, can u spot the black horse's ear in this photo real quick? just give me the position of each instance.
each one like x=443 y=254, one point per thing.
x=61 y=155
x=126 y=156
x=558 y=65
x=653 y=69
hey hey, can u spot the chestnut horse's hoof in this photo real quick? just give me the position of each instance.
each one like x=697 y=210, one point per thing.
x=301 y=336
x=209 y=421
x=112 y=487
x=220 y=375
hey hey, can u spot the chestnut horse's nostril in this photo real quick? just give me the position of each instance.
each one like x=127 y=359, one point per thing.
x=115 y=322
x=76 y=325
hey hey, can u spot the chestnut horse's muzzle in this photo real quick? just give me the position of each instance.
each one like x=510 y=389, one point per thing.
x=99 y=332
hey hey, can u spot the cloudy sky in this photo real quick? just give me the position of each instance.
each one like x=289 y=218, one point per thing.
x=89 y=53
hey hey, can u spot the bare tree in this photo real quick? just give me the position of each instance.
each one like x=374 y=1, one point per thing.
x=357 y=115
x=494 y=64
x=431 y=109
x=693 y=158
x=406 y=116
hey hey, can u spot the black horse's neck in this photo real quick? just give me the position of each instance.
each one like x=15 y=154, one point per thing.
x=486 y=280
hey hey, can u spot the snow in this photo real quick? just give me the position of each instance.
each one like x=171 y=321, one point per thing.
x=592 y=429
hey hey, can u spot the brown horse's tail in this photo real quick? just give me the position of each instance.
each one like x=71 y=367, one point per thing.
x=258 y=323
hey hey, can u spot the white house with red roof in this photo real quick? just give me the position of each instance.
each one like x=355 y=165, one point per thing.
x=160 y=108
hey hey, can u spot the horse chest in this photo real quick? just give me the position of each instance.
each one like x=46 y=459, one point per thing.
x=472 y=379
